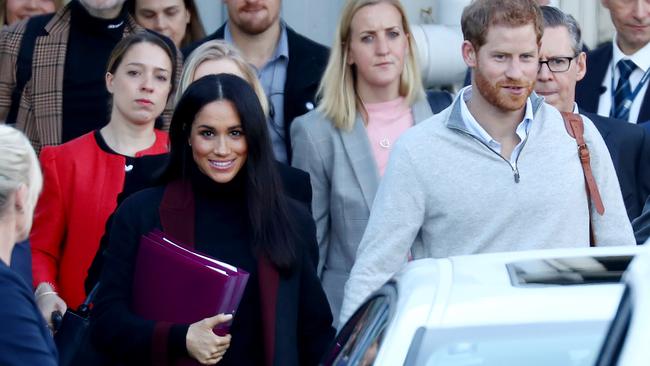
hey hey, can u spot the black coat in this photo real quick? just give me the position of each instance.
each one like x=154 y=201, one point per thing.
x=307 y=62
x=296 y=319
x=629 y=147
x=589 y=89
x=296 y=185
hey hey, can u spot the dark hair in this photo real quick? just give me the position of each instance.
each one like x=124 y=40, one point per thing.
x=480 y=15
x=554 y=17
x=125 y=44
x=273 y=234
x=194 y=30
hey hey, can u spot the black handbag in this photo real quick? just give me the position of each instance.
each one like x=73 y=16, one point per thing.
x=72 y=337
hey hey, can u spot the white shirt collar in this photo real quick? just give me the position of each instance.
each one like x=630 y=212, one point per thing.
x=477 y=130
x=641 y=57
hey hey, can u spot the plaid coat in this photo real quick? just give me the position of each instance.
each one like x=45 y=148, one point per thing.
x=41 y=105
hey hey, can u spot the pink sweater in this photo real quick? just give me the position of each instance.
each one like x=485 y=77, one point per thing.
x=386 y=123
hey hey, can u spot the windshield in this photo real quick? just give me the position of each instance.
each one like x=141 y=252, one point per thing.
x=565 y=344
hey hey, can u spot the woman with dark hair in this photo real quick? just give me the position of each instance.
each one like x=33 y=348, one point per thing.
x=177 y=19
x=86 y=177
x=222 y=194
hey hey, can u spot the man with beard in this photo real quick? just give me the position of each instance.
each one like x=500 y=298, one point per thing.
x=289 y=65
x=65 y=93
x=496 y=171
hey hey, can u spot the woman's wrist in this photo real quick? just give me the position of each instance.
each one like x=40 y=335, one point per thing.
x=46 y=293
x=45 y=288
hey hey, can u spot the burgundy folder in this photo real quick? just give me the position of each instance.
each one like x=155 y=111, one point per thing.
x=176 y=284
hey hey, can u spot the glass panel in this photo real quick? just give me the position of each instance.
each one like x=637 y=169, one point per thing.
x=566 y=344
x=359 y=340
x=569 y=271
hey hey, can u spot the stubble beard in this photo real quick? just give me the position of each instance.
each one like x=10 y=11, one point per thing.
x=254 y=27
x=492 y=92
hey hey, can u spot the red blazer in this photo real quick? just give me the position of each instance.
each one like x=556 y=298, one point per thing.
x=81 y=185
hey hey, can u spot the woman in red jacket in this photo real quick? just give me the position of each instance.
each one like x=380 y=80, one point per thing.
x=86 y=177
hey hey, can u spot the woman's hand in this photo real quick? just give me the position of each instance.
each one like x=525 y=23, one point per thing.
x=48 y=301
x=205 y=346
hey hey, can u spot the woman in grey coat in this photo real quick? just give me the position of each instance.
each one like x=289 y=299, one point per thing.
x=371 y=92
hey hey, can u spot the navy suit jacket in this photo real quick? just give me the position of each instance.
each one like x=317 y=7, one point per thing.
x=439 y=100
x=24 y=337
x=629 y=147
x=21 y=261
x=589 y=89
x=307 y=62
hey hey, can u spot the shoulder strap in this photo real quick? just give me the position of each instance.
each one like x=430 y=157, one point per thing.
x=33 y=29
x=575 y=128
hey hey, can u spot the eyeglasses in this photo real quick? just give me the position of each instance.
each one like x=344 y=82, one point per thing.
x=557 y=64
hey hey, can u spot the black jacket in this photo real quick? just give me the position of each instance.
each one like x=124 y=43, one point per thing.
x=589 y=89
x=24 y=338
x=296 y=183
x=629 y=147
x=300 y=315
x=307 y=62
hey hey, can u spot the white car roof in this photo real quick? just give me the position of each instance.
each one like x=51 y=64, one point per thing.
x=476 y=290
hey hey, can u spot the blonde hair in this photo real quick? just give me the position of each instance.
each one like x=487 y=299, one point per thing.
x=18 y=165
x=217 y=50
x=58 y=4
x=338 y=98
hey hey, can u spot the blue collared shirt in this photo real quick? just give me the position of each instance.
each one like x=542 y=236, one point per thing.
x=479 y=132
x=273 y=76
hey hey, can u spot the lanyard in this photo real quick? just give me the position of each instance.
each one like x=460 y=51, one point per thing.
x=630 y=98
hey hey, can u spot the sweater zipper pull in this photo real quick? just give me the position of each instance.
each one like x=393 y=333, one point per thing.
x=516 y=173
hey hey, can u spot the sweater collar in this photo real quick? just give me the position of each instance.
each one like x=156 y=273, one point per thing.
x=455 y=119
x=81 y=17
x=203 y=186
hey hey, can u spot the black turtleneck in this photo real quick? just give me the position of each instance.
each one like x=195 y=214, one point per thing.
x=223 y=231
x=90 y=43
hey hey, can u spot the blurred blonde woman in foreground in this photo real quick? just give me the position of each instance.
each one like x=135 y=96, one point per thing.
x=24 y=339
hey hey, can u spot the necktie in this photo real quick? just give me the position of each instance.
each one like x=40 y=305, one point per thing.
x=623 y=92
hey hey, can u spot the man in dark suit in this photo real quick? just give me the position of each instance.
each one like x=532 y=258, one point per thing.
x=562 y=64
x=289 y=65
x=597 y=92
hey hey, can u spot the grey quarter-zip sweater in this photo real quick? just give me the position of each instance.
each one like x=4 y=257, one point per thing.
x=445 y=193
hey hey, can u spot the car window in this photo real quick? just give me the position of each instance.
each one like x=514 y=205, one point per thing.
x=615 y=339
x=358 y=341
x=569 y=271
x=567 y=344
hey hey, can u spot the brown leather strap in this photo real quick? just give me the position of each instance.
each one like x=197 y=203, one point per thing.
x=575 y=128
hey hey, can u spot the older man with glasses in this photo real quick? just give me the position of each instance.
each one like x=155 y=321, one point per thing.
x=562 y=64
